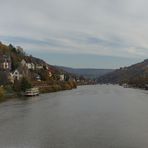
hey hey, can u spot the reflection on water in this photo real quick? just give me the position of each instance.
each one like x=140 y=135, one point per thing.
x=103 y=116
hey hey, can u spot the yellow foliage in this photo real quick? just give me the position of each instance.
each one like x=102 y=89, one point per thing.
x=2 y=92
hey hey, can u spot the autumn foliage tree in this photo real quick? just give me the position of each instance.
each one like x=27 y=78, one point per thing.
x=25 y=84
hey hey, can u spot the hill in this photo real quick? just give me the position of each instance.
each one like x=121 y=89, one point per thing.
x=136 y=75
x=17 y=54
x=20 y=71
x=89 y=73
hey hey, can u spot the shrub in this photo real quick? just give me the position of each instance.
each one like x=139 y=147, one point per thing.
x=2 y=92
x=72 y=84
x=8 y=88
x=56 y=87
x=67 y=86
x=16 y=86
x=51 y=88
x=25 y=84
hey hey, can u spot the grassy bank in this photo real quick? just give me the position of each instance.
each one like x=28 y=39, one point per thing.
x=7 y=93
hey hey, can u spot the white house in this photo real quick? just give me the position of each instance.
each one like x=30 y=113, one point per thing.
x=62 y=77
x=23 y=63
x=28 y=65
x=38 y=78
x=47 y=67
x=50 y=74
x=31 y=66
x=16 y=75
x=10 y=77
x=5 y=65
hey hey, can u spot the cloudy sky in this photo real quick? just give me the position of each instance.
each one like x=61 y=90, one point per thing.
x=78 y=33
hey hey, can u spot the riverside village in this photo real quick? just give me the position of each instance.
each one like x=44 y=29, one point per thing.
x=20 y=72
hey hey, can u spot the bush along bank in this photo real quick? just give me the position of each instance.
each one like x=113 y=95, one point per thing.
x=58 y=86
x=7 y=92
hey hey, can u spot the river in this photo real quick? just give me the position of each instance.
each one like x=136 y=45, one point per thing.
x=99 y=116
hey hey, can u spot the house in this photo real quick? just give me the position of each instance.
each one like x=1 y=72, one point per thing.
x=46 y=67
x=23 y=63
x=37 y=66
x=5 y=63
x=62 y=77
x=16 y=75
x=23 y=68
x=29 y=65
x=21 y=71
x=38 y=78
x=11 y=78
x=78 y=80
x=32 y=66
x=49 y=73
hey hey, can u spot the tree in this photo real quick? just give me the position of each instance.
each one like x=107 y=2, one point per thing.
x=25 y=84
x=2 y=92
x=44 y=74
x=12 y=48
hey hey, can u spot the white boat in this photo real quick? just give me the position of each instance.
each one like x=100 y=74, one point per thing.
x=125 y=85
x=32 y=92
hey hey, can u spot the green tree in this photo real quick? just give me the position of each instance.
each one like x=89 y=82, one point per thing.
x=44 y=75
x=12 y=48
x=25 y=84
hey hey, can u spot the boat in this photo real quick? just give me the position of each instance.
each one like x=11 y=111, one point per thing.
x=125 y=85
x=32 y=92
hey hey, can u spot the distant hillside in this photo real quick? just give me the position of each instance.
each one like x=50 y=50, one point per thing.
x=131 y=74
x=88 y=73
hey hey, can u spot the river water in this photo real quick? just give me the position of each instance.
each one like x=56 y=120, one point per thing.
x=101 y=116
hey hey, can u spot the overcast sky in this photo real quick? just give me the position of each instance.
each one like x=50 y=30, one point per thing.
x=108 y=33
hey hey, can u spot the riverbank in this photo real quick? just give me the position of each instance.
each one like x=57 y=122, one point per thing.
x=5 y=95
x=7 y=92
x=135 y=86
x=60 y=86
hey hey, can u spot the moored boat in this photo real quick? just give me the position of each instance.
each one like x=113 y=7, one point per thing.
x=32 y=92
x=125 y=85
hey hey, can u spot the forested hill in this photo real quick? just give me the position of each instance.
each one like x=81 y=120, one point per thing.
x=17 y=54
x=134 y=74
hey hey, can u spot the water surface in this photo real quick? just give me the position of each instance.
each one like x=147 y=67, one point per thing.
x=102 y=116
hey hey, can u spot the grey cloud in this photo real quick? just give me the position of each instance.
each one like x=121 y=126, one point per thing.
x=103 y=27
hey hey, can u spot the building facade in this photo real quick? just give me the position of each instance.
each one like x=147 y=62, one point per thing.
x=5 y=63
